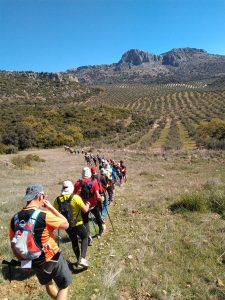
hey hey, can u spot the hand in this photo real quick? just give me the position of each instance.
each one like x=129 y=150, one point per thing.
x=46 y=204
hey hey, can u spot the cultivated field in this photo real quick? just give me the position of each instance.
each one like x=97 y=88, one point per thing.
x=156 y=251
x=174 y=109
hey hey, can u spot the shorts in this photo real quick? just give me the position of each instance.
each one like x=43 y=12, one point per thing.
x=61 y=274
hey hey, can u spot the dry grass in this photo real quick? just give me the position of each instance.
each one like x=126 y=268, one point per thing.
x=153 y=253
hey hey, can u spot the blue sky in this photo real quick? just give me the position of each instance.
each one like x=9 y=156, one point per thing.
x=55 y=35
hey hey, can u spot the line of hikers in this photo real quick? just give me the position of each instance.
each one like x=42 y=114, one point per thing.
x=85 y=200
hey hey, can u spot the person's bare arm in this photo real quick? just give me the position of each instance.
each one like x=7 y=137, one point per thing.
x=99 y=197
x=53 y=210
x=64 y=225
x=85 y=207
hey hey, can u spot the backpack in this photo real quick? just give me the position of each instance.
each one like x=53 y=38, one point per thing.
x=66 y=210
x=86 y=190
x=23 y=242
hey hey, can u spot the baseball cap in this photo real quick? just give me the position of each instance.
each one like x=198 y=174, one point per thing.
x=32 y=191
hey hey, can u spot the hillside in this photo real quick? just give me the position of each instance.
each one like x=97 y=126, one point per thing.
x=155 y=252
x=41 y=87
x=136 y=66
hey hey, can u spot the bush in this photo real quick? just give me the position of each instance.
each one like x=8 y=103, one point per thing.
x=193 y=201
x=10 y=149
x=20 y=136
x=209 y=198
x=212 y=134
x=22 y=162
x=34 y=157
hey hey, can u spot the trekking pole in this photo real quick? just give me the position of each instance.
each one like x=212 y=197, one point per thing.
x=109 y=218
x=92 y=220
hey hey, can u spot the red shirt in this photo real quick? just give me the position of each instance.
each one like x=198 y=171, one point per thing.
x=94 y=189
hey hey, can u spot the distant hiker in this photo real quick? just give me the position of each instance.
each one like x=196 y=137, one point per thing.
x=123 y=170
x=87 y=158
x=90 y=193
x=99 y=160
x=71 y=206
x=110 y=182
x=94 y=160
x=118 y=171
x=49 y=264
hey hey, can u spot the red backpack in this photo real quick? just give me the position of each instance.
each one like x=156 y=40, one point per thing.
x=23 y=242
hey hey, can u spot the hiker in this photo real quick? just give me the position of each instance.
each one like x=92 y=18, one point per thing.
x=71 y=205
x=118 y=171
x=110 y=182
x=90 y=192
x=49 y=265
x=87 y=158
x=123 y=170
x=102 y=184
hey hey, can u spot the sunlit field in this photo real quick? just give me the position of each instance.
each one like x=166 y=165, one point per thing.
x=168 y=239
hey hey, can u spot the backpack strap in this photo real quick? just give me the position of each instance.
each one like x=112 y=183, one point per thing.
x=32 y=220
x=70 y=198
x=59 y=203
x=16 y=220
x=34 y=216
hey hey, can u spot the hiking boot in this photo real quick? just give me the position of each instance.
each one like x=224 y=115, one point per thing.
x=102 y=229
x=90 y=241
x=83 y=262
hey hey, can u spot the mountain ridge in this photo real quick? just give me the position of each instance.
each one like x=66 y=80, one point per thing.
x=138 y=66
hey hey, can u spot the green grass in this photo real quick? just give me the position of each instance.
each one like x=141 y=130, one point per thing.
x=209 y=198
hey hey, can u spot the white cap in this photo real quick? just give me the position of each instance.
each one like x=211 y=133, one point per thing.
x=86 y=173
x=67 y=187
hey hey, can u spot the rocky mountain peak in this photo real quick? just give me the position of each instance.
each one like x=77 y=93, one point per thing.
x=137 y=57
x=176 y=56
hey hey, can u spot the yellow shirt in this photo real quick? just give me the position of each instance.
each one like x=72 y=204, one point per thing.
x=76 y=205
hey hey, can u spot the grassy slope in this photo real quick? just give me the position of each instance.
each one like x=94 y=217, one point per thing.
x=152 y=252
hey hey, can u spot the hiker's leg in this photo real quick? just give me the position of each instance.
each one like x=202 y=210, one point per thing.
x=105 y=207
x=72 y=232
x=95 y=211
x=62 y=294
x=85 y=217
x=82 y=232
x=51 y=289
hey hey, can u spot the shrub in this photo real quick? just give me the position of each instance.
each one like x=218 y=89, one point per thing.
x=8 y=149
x=209 y=198
x=11 y=149
x=193 y=201
x=34 y=157
x=22 y=162
x=20 y=136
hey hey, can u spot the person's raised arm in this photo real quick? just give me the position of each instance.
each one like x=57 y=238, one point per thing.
x=54 y=211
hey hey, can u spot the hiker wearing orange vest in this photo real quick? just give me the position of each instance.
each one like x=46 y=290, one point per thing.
x=50 y=267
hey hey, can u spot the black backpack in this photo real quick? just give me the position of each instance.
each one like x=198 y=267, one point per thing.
x=65 y=209
x=86 y=190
